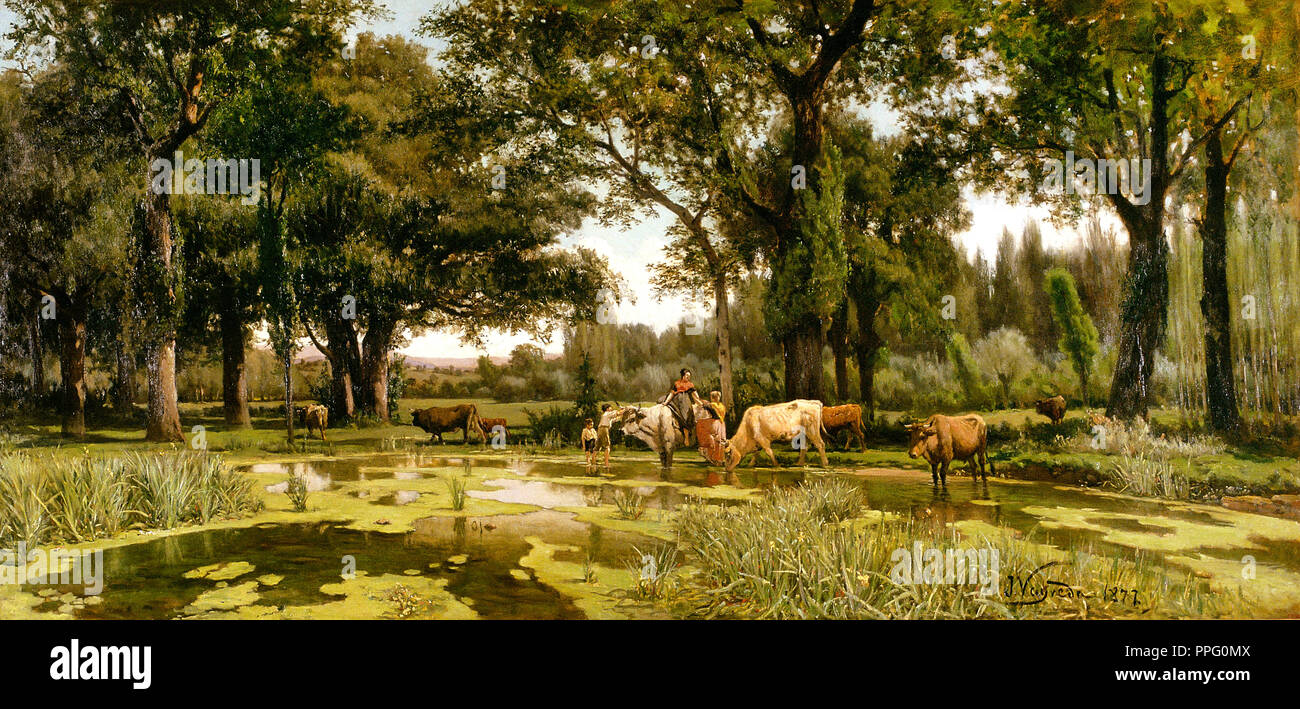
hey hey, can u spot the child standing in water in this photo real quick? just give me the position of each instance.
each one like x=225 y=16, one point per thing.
x=589 y=441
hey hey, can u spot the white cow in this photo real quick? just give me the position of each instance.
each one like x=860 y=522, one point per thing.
x=654 y=425
x=761 y=425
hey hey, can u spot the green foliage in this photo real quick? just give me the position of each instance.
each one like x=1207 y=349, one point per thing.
x=963 y=365
x=1078 y=334
x=586 y=404
x=809 y=272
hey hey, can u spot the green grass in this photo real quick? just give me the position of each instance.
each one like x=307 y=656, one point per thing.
x=47 y=497
x=793 y=556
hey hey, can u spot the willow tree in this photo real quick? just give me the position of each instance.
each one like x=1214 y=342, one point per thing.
x=1093 y=101
x=1244 y=63
x=165 y=67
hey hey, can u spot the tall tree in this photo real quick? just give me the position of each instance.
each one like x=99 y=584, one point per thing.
x=62 y=227
x=1078 y=334
x=1086 y=83
x=796 y=60
x=167 y=65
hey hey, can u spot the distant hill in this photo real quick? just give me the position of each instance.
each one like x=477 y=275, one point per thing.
x=311 y=354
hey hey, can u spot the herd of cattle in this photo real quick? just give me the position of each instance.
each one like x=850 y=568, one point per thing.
x=939 y=440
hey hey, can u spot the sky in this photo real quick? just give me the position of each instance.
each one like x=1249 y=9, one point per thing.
x=632 y=250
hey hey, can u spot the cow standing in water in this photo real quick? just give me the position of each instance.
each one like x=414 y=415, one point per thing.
x=799 y=420
x=943 y=439
x=655 y=426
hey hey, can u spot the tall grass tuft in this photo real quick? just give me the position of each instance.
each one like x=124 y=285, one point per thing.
x=456 y=487
x=630 y=504
x=653 y=572
x=88 y=499
x=296 y=489
x=54 y=498
x=1152 y=476
x=22 y=513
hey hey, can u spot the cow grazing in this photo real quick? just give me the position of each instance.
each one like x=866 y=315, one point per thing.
x=844 y=418
x=1052 y=407
x=490 y=425
x=762 y=425
x=317 y=417
x=437 y=420
x=656 y=427
x=943 y=439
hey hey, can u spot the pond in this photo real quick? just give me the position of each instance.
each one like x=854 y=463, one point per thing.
x=487 y=563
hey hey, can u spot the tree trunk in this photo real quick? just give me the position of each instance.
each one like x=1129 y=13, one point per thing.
x=868 y=345
x=1219 y=381
x=36 y=347
x=374 y=364
x=124 y=377
x=234 y=377
x=839 y=341
x=286 y=364
x=803 y=361
x=1143 y=313
x=72 y=366
x=1142 y=321
x=164 y=422
x=342 y=345
x=722 y=324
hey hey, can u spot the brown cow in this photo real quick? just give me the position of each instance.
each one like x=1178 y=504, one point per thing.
x=1052 y=407
x=489 y=425
x=437 y=420
x=844 y=418
x=317 y=417
x=943 y=439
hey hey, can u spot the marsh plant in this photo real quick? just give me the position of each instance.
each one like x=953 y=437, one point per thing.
x=296 y=489
x=69 y=498
x=630 y=504
x=1152 y=476
x=791 y=555
x=1136 y=439
x=653 y=572
x=456 y=488
x=589 y=568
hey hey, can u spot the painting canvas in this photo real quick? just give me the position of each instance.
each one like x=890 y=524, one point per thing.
x=649 y=310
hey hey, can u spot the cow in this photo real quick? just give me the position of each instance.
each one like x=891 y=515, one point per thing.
x=1052 y=407
x=490 y=425
x=943 y=439
x=656 y=427
x=437 y=420
x=761 y=425
x=317 y=417
x=844 y=418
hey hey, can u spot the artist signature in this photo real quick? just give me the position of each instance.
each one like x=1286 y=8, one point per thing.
x=1036 y=587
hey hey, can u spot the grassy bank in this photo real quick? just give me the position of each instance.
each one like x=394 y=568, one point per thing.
x=815 y=552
